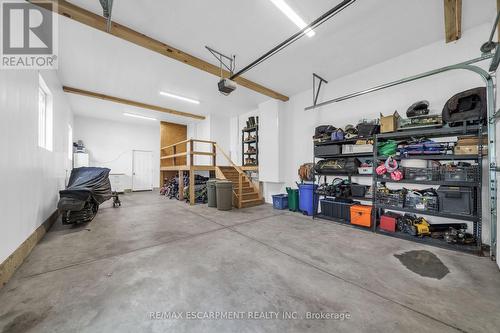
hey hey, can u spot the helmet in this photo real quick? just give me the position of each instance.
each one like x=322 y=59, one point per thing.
x=420 y=108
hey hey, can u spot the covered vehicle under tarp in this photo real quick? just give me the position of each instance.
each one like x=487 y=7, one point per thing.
x=88 y=187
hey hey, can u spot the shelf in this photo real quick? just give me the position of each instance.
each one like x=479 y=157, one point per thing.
x=370 y=155
x=351 y=197
x=433 y=157
x=250 y=141
x=250 y=129
x=432 y=132
x=341 y=174
x=471 y=218
x=251 y=153
x=430 y=182
x=327 y=143
x=470 y=248
x=341 y=222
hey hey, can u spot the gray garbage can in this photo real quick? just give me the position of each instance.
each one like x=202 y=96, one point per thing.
x=224 y=189
x=211 y=193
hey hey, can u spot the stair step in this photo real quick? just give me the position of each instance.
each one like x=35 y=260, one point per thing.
x=250 y=195
x=251 y=202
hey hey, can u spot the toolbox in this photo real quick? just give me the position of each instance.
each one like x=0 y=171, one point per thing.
x=456 y=200
x=337 y=209
x=327 y=150
x=389 y=221
x=361 y=215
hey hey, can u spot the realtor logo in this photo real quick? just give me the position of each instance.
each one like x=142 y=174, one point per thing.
x=29 y=35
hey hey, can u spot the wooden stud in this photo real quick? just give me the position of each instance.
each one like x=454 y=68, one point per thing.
x=191 y=148
x=130 y=102
x=191 y=186
x=214 y=152
x=181 y=183
x=98 y=22
x=453 y=19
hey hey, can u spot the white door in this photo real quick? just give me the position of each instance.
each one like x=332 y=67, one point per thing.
x=142 y=170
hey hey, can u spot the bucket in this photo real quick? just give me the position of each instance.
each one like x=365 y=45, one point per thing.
x=308 y=199
x=293 y=199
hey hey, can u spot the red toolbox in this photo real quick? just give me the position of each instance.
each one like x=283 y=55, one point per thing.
x=389 y=222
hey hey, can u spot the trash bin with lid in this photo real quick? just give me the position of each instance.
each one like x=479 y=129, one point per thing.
x=224 y=190
x=211 y=192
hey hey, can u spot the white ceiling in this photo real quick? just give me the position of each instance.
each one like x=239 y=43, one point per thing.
x=368 y=32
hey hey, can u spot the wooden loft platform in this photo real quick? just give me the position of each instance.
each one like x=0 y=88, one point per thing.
x=182 y=159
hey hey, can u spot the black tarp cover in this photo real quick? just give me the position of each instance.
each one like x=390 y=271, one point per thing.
x=88 y=181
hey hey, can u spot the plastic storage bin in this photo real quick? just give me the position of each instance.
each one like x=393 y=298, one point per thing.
x=395 y=199
x=337 y=209
x=422 y=202
x=280 y=201
x=389 y=221
x=358 y=191
x=354 y=149
x=460 y=174
x=308 y=199
x=365 y=170
x=456 y=200
x=327 y=150
x=293 y=199
x=361 y=215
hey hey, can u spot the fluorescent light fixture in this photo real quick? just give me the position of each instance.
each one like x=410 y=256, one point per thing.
x=185 y=99
x=292 y=15
x=138 y=116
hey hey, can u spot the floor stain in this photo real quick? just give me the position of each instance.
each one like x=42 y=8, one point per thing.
x=25 y=321
x=424 y=263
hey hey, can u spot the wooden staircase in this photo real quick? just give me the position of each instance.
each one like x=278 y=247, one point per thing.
x=249 y=195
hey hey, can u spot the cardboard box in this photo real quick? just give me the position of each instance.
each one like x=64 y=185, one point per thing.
x=470 y=140
x=389 y=123
x=469 y=150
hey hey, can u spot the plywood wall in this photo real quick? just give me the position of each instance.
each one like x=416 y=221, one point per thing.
x=171 y=133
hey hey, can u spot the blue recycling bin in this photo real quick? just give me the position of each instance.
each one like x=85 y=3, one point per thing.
x=308 y=199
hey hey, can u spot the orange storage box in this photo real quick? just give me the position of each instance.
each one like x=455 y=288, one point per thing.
x=361 y=215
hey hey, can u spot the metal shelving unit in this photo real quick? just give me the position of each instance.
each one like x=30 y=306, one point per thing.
x=245 y=144
x=349 y=176
x=476 y=219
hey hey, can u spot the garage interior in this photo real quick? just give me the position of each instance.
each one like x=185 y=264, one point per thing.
x=290 y=167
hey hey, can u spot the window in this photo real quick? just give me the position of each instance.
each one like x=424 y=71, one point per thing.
x=45 y=126
x=70 y=142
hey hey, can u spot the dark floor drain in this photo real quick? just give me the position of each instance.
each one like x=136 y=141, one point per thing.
x=424 y=263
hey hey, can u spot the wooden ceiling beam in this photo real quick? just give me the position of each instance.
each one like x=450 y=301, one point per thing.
x=98 y=22
x=92 y=94
x=453 y=19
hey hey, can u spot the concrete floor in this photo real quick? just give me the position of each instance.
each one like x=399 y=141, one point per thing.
x=160 y=255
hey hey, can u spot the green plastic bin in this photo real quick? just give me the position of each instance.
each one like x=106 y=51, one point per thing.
x=293 y=199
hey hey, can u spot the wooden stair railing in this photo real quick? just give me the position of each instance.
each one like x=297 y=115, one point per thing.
x=242 y=178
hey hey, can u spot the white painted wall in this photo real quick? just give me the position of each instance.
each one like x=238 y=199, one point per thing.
x=110 y=144
x=31 y=176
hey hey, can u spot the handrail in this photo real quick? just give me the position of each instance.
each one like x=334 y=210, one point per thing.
x=186 y=141
x=175 y=144
x=241 y=175
x=228 y=158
